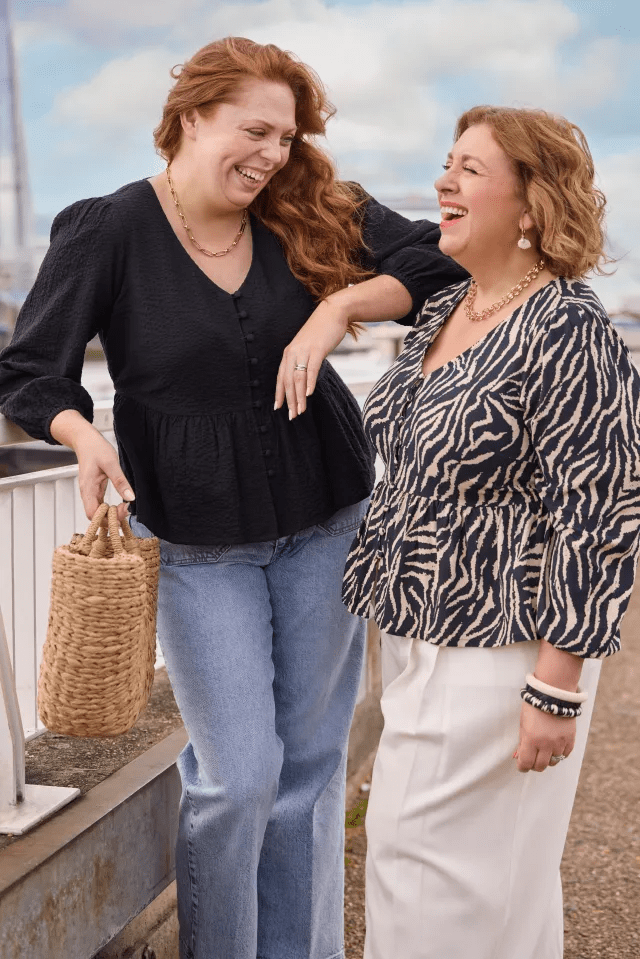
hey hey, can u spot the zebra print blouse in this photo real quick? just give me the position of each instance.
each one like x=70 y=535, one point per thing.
x=510 y=505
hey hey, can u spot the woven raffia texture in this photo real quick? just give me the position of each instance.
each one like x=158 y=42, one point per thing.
x=98 y=659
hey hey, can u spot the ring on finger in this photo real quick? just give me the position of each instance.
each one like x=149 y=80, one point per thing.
x=554 y=760
x=300 y=367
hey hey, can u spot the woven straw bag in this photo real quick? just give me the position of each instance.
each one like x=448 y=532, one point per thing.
x=98 y=658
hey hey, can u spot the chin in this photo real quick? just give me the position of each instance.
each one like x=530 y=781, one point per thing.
x=450 y=248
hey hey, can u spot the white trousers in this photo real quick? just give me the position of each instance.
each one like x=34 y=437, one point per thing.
x=464 y=851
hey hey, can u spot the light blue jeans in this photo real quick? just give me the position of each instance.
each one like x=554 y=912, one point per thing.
x=265 y=663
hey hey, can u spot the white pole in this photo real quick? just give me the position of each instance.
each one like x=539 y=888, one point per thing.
x=21 y=807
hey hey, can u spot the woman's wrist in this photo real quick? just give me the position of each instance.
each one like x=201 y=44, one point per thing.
x=558 y=668
x=70 y=428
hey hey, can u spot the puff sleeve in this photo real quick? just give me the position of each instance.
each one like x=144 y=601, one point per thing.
x=407 y=250
x=69 y=303
x=581 y=397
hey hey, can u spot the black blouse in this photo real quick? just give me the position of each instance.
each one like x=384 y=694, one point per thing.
x=194 y=367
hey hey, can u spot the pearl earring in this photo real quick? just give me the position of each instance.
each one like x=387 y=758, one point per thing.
x=523 y=242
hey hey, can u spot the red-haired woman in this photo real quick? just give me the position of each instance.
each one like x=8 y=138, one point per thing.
x=196 y=280
x=500 y=551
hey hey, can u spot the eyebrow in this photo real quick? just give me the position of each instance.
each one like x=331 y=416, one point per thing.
x=468 y=156
x=270 y=126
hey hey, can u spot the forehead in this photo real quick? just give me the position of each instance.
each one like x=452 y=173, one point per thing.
x=478 y=141
x=263 y=100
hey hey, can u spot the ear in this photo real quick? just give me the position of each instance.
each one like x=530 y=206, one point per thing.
x=526 y=223
x=189 y=122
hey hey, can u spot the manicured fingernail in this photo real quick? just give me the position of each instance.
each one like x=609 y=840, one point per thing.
x=128 y=495
x=290 y=414
x=300 y=410
x=308 y=393
x=515 y=755
x=275 y=406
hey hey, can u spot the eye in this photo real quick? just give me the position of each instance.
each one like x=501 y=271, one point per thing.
x=469 y=169
x=288 y=140
x=256 y=133
x=446 y=166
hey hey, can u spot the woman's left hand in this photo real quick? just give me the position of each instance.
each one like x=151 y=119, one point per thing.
x=325 y=328
x=542 y=736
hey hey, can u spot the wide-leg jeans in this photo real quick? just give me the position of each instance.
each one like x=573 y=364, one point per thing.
x=265 y=663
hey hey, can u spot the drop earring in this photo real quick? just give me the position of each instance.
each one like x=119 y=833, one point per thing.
x=523 y=242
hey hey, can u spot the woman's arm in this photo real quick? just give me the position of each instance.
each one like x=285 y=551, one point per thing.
x=71 y=301
x=410 y=267
x=97 y=461
x=581 y=397
x=380 y=298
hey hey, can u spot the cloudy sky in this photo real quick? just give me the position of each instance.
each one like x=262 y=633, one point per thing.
x=94 y=75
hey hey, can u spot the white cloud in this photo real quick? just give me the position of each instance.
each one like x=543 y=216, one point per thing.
x=383 y=63
x=398 y=74
x=123 y=98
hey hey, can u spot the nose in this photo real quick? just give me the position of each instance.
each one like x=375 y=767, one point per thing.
x=446 y=182
x=272 y=150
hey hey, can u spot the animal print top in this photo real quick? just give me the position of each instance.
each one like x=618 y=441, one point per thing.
x=510 y=505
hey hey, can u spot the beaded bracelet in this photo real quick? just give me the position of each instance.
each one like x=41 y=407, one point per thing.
x=549 y=704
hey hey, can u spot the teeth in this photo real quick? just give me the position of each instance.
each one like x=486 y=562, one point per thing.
x=250 y=174
x=453 y=210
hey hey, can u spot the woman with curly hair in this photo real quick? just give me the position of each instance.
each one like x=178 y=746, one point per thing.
x=499 y=551
x=196 y=281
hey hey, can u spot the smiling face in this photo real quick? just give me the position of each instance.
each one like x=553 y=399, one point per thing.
x=242 y=145
x=481 y=200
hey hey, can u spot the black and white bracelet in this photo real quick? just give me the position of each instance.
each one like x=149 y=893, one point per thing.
x=551 y=699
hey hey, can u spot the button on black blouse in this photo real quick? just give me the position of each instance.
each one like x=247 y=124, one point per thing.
x=195 y=368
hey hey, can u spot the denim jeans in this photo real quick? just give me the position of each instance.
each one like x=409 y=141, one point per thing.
x=265 y=662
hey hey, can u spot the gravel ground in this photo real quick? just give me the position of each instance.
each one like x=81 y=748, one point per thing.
x=601 y=865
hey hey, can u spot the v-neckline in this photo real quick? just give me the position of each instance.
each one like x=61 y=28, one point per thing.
x=186 y=253
x=503 y=324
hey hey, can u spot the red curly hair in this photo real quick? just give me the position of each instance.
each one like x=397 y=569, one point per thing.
x=314 y=216
x=554 y=166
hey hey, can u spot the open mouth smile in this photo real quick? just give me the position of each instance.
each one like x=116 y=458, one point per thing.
x=251 y=176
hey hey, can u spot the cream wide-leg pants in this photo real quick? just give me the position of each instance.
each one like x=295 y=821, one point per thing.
x=463 y=850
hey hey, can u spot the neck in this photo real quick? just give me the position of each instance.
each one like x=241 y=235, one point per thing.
x=496 y=277
x=201 y=209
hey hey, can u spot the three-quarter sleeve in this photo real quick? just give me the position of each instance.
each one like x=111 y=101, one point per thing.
x=581 y=396
x=407 y=250
x=71 y=301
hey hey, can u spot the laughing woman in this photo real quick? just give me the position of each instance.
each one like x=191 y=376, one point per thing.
x=196 y=280
x=499 y=551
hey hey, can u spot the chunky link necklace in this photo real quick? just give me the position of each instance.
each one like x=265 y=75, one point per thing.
x=518 y=288
x=188 y=228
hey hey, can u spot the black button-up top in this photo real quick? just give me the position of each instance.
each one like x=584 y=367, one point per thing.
x=195 y=368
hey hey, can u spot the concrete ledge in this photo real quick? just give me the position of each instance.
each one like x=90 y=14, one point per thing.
x=70 y=887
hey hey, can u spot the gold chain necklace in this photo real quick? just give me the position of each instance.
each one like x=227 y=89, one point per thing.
x=518 y=288
x=188 y=228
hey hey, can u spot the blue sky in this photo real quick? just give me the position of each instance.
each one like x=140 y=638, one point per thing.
x=94 y=75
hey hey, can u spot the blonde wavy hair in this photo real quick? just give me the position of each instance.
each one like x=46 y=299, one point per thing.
x=316 y=218
x=554 y=165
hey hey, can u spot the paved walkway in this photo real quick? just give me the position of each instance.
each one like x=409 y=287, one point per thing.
x=601 y=866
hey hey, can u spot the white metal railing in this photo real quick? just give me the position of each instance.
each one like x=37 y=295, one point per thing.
x=38 y=511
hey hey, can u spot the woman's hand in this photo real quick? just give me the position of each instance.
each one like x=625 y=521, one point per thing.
x=543 y=735
x=372 y=301
x=325 y=328
x=97 y=461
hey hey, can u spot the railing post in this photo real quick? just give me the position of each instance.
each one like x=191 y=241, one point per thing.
x=21 y=806
x=11 y=732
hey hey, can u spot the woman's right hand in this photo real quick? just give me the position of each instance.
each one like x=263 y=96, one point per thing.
x=97 y=461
